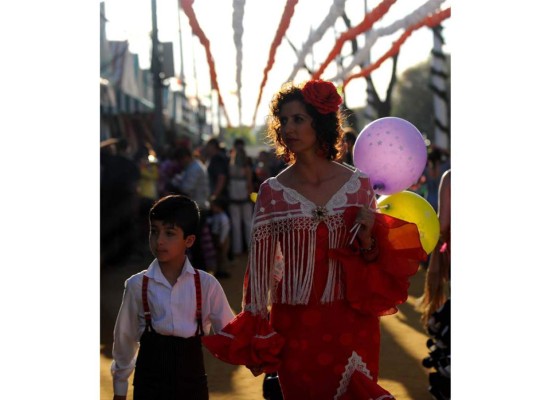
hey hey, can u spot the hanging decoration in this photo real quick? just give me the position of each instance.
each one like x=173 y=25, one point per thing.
x=336 y=10
x=238 y=16
x=288 y=12
x=186 y=6
x=439 y=77
x=429 y=21
x=370 y=18
x=372 y=36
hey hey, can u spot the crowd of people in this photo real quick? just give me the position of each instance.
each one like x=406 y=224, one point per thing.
x=219 y=179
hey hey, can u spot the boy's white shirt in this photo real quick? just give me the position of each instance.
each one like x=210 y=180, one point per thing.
x=179 y=320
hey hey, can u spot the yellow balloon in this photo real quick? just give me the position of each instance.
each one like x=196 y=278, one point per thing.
x=253 y=196
x=411 y=207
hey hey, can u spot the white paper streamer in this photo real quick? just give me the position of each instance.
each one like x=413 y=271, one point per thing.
x=336 y=10
x=416 y=16
x=238 y=16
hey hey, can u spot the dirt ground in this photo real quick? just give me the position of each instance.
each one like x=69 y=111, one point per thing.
x=402 y=350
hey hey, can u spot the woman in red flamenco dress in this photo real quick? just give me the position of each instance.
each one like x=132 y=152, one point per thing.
x=323 y=267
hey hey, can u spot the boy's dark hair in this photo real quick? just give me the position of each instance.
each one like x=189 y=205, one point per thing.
x=177 y=210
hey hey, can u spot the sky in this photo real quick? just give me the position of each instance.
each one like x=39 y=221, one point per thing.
x=130 y=19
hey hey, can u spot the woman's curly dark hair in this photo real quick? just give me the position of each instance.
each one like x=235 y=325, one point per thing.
x=328 y=127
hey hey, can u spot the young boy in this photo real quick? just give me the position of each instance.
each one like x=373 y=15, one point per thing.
x=167 y=308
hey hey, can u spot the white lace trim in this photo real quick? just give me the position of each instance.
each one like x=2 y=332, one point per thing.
x=338 y=200
x=229 y=335
x=355 y=363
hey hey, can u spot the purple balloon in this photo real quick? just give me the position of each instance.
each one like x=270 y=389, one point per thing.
x=392 y=152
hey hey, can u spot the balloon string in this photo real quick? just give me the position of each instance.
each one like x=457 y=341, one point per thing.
x=357 y=226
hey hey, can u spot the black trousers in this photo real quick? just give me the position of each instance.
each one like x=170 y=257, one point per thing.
x=169 y=368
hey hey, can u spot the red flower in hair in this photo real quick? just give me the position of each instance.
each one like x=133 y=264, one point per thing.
x=322 y=95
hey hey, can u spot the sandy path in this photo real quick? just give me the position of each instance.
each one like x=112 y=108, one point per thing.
x=403 y=343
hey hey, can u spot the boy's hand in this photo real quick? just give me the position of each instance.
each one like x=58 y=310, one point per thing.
x=117 y=397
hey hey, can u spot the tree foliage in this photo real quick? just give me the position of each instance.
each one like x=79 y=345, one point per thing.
x=243 y=132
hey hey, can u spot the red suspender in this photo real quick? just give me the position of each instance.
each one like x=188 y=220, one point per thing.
x=147 y=315
x=198 y=287
x=199 y=327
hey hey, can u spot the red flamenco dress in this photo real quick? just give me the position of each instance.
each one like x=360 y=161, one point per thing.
x=312 y=302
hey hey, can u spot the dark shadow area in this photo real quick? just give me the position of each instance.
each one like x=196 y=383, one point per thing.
x=219 y=374
x=112 y=278
x=396 y=364
x=410 y=314
x=215 y=368
x=403 y=368
x=411 y=317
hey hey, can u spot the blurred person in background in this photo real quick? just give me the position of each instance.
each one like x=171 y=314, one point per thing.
x=437 y=163
x=168 y=167
x=348 y=142
x=148 y=191
x=220 y=226
x=240 y=186
x=193 y=182
x=119 y=202
x=217 y=169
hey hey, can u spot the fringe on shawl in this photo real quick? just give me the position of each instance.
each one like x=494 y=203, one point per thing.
x=283 y=253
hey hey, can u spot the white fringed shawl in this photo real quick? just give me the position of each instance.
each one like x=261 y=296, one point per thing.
x=283 y=242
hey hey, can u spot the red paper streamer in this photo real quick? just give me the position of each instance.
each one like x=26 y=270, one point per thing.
x=429 y=21
x=351 y=33
x=282 y=28
x=186 y=6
